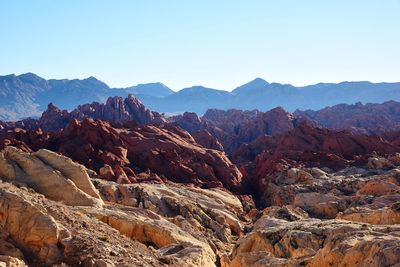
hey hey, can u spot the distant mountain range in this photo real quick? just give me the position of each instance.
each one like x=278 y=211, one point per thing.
x=28 y=95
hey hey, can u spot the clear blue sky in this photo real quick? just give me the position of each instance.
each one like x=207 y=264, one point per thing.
x=220 y=44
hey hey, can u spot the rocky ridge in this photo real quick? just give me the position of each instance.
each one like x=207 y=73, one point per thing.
x=116 y=109
x=232 y=128
x=130 y=152
x=174 y=225
x=157 y=194
x=367 y=119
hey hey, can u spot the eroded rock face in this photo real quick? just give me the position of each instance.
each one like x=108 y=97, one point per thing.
x=197 y=211
x=53 y=119
x=308 y=146
x=233 y=128
x=116 y=109
x=41 y=232
x=312 y=242
x=34 y=230
x=55 y=176
x=158 y=195
x=173 y=243
x=148 y=224
x=204 y=138
x=167 y=151
x=368 y=118
x=356 y=194
x=180 y=225
x=77 y=173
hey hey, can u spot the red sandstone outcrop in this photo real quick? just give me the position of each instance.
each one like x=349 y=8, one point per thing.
x=204 y=138
x=367 y=119
x=306 y=146
x=116 y=109
x=167 y=151
x=54 y=119
x=233 y=128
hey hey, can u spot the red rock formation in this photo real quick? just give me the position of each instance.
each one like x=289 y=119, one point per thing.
x=28 y=124
x=54 y=119
x=248 y=125
x=23 y=139
x=168 y=151
x=190 y=122
x=306 y=146
x=205 y=139
x=116 y=109
x=233 y=127
x=367 y=119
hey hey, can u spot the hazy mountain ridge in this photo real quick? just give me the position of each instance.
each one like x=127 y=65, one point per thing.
x=27 y=95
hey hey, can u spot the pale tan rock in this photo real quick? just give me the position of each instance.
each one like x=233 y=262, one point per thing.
x=379 y=188
x=148 y=227
x=8 y=261
x=288 y=213
x=318 y=173
x=30 y=226
x=204 y=208
x=6 y=168
x=364 y=249
x=82 y=238
x=261 y=259
x=76 y=172
x=314 y=242
x=386 y=215
x=47 y=180
x=379 y=163
x=321 y=205
x=295 y=175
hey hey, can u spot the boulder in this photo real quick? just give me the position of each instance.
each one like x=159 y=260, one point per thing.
x=47 y=179
x=76 y=172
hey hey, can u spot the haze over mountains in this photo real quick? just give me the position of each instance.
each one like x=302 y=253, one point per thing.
x=28 y=95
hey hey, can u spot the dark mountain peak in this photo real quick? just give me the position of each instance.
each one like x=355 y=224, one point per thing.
x=95 y=81
x=28 y=75
x=200 y=88
x=92 y=79
x=254 y=85
x=159 y=84
x=259 y=80
x=51 y=106
x=193 y=89
x=359 y=104
x=278 y=110
x=31 y=77
x=87 y=84
x=156 y=89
